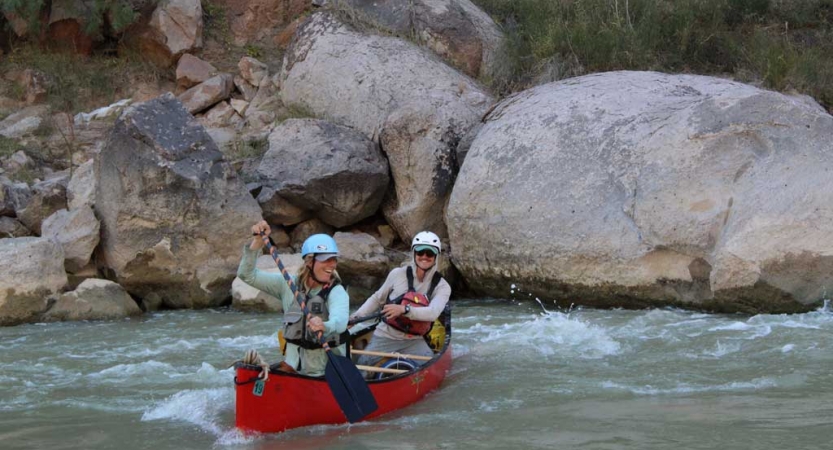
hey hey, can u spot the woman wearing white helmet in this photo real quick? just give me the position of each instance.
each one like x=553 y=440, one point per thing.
x=411 y=298
x=328 y=304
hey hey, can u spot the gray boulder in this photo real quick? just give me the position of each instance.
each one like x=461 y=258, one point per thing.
x=173 y=213
x=249 y=299
x=81 y=187
x=457 y=30
x=333 y=171
x=208 y=93
x=387 y=87
x=22 y=122
x=280 y=211
x=13 y=196
x=33 y=270
x=77 y=230
x=48 y=196
x=364 y=264
x=93 y=299
x=638 y=188
x=12 y=228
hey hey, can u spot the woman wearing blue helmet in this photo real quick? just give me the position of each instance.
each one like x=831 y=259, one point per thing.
x=327 y=301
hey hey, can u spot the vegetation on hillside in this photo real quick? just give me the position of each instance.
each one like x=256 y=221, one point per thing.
x=119 y=12
x=77 y=83
x=779 y=44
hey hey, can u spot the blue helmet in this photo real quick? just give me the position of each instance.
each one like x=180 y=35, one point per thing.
x=319 y=243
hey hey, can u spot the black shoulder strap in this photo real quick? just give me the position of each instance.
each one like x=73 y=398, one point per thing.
x=410 y=274
x=325 y=291
x=434 y=282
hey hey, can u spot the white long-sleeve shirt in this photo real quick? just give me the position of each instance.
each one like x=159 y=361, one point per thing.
x=395 y=285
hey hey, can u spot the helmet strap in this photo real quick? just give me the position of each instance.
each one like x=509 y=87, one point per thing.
x=312 y=272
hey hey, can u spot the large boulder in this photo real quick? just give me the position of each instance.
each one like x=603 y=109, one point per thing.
x=81 y=187
x=77 y=230
x=333 y=171
x=172 y=211
x=246 y=298
x=93 y=299
x=364 y=264
x=33 y=270
x=635 y=188
x=389 y=88
x=457 y=30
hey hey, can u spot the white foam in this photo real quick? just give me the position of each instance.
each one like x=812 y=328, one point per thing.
x=734 y=326
x=200 y=407
x=685 y=388
x=235 y=437
x=547 y=334
x=722 y=349
x=246 y=342
x=132 y=370
x=500 y=405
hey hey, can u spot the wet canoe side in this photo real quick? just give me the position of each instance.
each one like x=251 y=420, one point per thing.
x=290 y=401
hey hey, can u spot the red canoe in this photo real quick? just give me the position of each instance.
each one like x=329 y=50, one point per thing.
x=289 y=401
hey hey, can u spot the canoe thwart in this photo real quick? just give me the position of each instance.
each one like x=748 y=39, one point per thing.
x=379 y=369
x=391 y=355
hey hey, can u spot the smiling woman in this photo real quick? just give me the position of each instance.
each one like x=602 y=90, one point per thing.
x=326 y=306
x=411 y=299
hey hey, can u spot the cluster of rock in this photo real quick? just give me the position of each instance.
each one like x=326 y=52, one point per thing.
x=618 y=189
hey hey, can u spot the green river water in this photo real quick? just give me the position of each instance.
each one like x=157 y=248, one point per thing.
x=523 y=377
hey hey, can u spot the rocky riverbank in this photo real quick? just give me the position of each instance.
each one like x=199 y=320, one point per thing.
x=625 y=189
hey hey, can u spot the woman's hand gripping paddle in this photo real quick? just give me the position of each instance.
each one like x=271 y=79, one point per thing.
x=345 y=380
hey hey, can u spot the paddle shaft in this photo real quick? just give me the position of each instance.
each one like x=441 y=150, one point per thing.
x=364 y=319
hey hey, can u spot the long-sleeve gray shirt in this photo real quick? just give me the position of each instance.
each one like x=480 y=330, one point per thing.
x=395 y=285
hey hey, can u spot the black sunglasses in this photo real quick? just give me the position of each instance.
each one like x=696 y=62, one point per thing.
x=425 y=253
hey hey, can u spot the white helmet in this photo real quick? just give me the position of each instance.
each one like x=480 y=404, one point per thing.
x=427 y=238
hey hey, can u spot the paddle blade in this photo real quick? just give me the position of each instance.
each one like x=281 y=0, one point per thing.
x=349 y=388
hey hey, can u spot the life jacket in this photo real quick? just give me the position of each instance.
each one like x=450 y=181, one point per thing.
x=415 y=299
x=295 y=329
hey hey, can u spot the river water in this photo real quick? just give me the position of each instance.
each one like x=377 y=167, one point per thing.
x=525 y=375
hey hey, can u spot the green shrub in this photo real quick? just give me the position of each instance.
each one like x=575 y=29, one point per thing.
x=76 y=83
x=8 y=147
x=782 y=44
x=120 y=12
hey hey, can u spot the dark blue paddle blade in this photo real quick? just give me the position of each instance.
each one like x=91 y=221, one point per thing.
x=349 y=388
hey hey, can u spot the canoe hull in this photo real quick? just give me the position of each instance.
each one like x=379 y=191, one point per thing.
x=290 y=401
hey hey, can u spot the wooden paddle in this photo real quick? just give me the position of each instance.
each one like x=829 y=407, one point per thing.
x=345 y=380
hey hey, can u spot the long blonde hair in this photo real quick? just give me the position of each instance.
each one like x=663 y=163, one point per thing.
x=305 y=272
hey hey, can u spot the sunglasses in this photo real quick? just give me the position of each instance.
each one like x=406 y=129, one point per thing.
x=425 y=253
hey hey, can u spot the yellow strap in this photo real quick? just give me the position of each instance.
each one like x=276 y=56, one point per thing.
x=282 y=342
